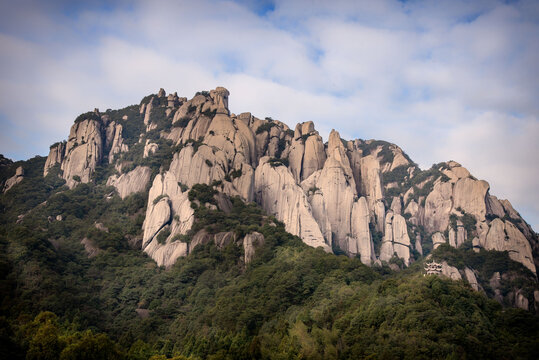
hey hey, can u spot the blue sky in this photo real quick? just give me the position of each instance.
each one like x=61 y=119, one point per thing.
x=442 y=79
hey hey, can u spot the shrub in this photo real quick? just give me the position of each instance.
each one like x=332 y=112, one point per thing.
x=265 y=127
x=163 y=235
x=157 y=199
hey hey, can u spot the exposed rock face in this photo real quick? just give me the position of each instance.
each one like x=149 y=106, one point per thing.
x=56 y=156
x=437 y=240
x=90 y=248
x=307 y=153
x=450 y=271
x=469 y=195
x=470 y=276
x=396 y=239
x=437 y=207
x=15 y=179
x=168 y=209
x=116 y=145
x=84 y=151
x=330 y=195
x=371 y=185
x=132 y=182
x=149 y=148
x=250 y=243
x=504 y=236
x=279 y=195
x=148 y=111
x=220 y=98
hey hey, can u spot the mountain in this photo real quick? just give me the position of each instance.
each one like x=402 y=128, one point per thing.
x=210 y=234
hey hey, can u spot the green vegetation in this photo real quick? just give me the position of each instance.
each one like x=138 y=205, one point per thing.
x=163 y=235
x=290 y=302
x=90 y=115
x=265 y=127
x=487 y=263
x=274 y=162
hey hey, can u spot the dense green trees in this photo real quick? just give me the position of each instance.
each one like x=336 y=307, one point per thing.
x=290 y=302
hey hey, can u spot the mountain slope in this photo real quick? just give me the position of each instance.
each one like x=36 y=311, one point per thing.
x=216 y=198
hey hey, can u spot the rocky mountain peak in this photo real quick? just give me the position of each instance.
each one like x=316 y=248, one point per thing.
x=363 y=198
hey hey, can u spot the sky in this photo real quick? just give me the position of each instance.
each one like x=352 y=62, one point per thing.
x=444 y=80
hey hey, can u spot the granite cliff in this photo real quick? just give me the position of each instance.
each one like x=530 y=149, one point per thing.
x=363 y=198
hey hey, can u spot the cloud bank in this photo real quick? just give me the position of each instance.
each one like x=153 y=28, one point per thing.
x=442 y=79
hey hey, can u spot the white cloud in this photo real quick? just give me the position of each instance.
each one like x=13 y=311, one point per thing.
x=444 y=80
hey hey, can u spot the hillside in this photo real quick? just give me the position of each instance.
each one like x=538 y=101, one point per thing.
x=175 y=228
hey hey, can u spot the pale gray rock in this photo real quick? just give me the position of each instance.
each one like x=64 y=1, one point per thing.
x=437 y=207
x=149 y=148
x=470 y=277
x=280 y=196
x=117 y=144
x=469 y=195
x=250 y=243
x=56 y=156
x=167 y=206
x=450 y=271
x=15 y=179
x=396 y=205
x=132 y=182
x=398 y=160
x=148 y=112
x=396 y=240
x=418 y=245
x=371 y=185
x=494 y=206
x=504 y=236
x=521 y=301
x=223 y=239
x=90 y=248
x=84 y=151
x=220 y=98
x=437 y=240
x=360 y=243
x=379 y=215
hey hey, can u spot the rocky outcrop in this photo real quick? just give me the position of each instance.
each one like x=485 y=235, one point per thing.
x=134 y=181
x=469 y=195
x=450 y=271
x=307 y=153
x=438 y=205
x=56 y=156
x=280 y=196
x=371 y=185
x=168 y=211
x=84 y=151
x=396 y=240
x=15 y=179
x=470 y=277
x=115 y=141
x=250 y=243
x=504 y=236
x=437 y=240
x=149 y=148
x=331 y=195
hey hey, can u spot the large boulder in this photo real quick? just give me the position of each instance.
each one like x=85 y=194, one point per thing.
x=84 y=151
x=396 y=240
x=504 y=236
x=56 y=156
x=132 y=182
x=169 y=209
x=15 y=179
